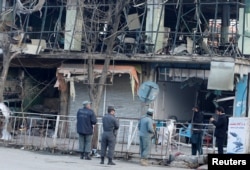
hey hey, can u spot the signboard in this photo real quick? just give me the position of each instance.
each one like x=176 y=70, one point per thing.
x=221 y=76
x=148 y=91
x=238 y=135
x=240 y=98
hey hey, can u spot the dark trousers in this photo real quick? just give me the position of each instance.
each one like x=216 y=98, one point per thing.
x=108 y=141
x=196 y=140
x=220 y=143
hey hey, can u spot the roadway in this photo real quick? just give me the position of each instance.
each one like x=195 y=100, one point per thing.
x=20 y=159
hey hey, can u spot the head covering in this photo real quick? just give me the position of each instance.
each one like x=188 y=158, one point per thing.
x=111 y=108
x=150 y=111
x=86 y=102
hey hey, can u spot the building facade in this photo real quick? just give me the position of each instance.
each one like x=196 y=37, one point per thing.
x=195 y=50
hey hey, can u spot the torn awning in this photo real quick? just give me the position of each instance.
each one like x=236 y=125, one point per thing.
x=79 y=72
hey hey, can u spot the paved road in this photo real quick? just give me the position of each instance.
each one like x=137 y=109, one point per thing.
x=18 y=159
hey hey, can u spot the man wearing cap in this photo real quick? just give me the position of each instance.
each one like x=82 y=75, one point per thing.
x=146 y=131
x=86 y=119
x=110 y=126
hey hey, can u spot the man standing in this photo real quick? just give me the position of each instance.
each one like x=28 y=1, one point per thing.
x=146 y=131
x=220 y=128
x=196 y=137
x=110 y=126
x=86 y=119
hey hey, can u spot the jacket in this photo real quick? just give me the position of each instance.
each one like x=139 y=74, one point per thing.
x=197 y=119
x=145 y=126
x=220 y=126
x=86 y=118
x=109 y=123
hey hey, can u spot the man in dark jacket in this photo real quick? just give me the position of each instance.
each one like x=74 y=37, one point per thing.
x=110 y=126
x=220 y=128
x=196 y=138
x=86 y=119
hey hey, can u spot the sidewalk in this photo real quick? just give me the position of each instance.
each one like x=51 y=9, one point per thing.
x=17 y=159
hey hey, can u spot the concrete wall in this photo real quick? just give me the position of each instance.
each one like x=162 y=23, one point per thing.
x=174 y=101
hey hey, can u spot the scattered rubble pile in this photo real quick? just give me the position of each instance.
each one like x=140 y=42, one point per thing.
x=186 y=161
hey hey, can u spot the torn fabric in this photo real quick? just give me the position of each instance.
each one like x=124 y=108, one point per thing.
x=72 y=90
x=79 y=72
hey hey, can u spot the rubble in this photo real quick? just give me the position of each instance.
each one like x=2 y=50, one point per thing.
x=187 y=161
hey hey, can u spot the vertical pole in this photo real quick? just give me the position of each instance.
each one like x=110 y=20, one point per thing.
x=177 y=25
x=247 y=100
x=43 y=26
x=130 y=134
x=214 y=22
x=243 y=32
x=104 y=100
x=56 y=130
x=225 y=23
x=158 y=27
x=1 y=6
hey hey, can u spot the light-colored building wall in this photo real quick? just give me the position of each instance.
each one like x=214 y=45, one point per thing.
x=174 y=101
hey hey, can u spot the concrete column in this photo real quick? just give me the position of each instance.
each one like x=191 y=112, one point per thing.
x=73 y=26
x=153 y=19
x=225 y=23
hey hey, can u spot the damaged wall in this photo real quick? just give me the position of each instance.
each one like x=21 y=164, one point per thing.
x=174 y=101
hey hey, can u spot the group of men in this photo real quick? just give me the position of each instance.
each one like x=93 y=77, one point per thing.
x=220 y=133
x=86 y=120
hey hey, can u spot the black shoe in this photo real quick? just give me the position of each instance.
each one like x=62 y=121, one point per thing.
x=87 y=157
x=110 y=162
x=102 y=160
x=82 y=156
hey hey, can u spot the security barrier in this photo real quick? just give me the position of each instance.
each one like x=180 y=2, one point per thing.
x=57 y=132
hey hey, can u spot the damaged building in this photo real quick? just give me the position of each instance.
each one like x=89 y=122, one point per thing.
x=197 y=51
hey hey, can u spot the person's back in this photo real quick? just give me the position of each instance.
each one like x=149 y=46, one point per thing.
x=85 y=121
x=109 y=123
x=145 y=126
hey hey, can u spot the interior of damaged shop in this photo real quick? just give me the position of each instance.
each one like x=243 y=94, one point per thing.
x=182 y=89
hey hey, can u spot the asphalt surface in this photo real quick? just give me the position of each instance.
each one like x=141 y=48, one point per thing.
x=19 y=159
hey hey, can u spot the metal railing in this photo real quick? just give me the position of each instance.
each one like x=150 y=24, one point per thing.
x=43 y=131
